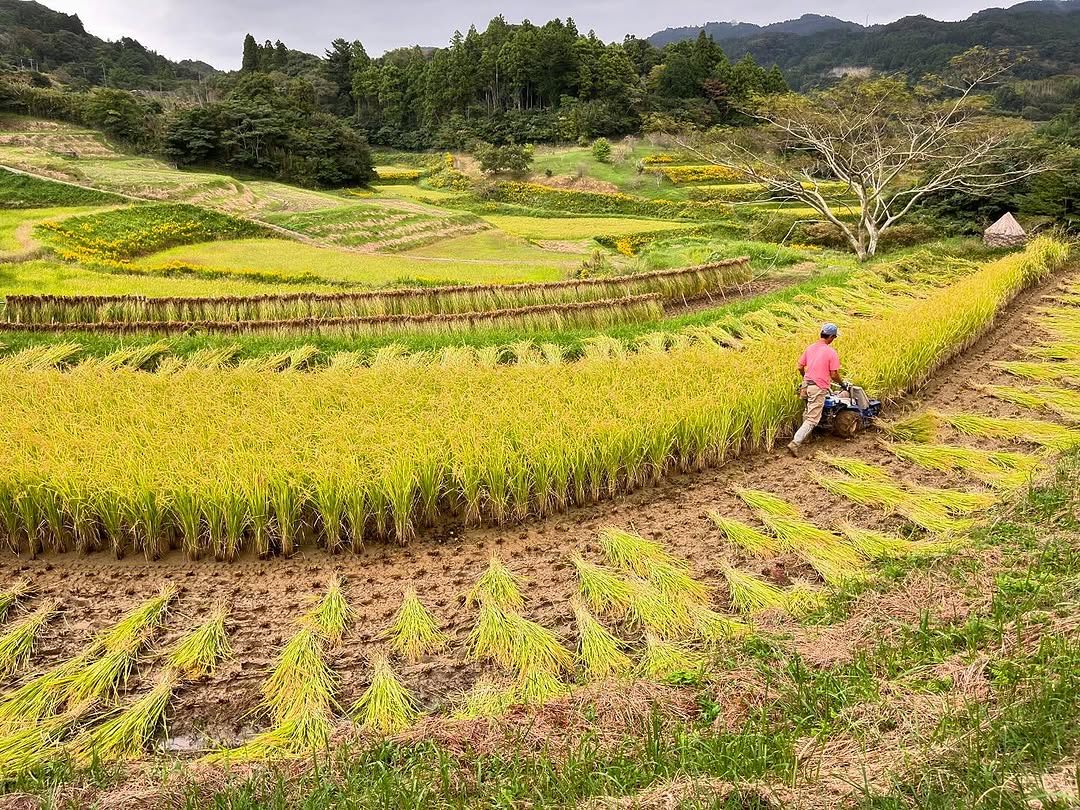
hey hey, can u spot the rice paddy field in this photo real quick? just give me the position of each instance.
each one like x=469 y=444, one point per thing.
x=315 y=499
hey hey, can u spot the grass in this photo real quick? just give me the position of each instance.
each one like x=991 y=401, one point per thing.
x=622 y=169
x=494 y=244
x=12 y=220
x=21 y=191
x=579 y=228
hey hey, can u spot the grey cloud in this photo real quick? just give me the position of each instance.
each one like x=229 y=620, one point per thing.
x=213 y=30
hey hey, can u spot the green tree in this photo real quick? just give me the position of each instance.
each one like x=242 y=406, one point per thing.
x=250 y=61
x=601 y=150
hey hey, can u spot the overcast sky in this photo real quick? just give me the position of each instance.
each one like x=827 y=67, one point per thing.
x=213 y=30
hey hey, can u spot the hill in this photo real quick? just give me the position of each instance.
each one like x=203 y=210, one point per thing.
x=35 y=37
x=1045 y=30
x=806 y=24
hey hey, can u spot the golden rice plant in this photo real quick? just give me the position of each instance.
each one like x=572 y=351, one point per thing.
x=1031 y=431
x=675 y=582
x=603 y=591
x=751 y=594
x=10 y=596
x=745 y=537
x=497 y=587
x=126 y=734
x=536 y=648
x=599 y=651
x=919 y=427
x=493 y=637
x=1042 y=371
x=17 y=644
x=854 y=467
x=654 y=611
x=836 y=562
x=198 y=653
x=413 y=632
x=385 y=707
x=766 y=502
x=661 y=659
x=332 y=615
x=875 y=545
x=632 y=552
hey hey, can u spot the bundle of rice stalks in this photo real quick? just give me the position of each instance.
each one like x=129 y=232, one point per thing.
x=854 y=467
x=654 y=611
x=1046 y=397
x=803 y=598
x=663 y=659
x=493 y=636
x=497 y=587
x=198 y=654
x=12 y=595
x=713 y=628
x=1062 y=352
x=26 y=747
x=1068 y=370
x=745 y=537
x=676 y=583
x=301 y=684
x=536 y=687
x=487 y=698
x=536 y=648
x=600 y=652
x=100 y=668
x=414 y=633
x=1032 y=431
x=332 y=616
x=632 y=552
x=17 y=644
x=998 y=469
x=603 y=591
x=875 y=545
x=386 y=706
x=837 y=563
x=928 y=515
x=751 y=594
x=919 y=427
x=126 y=734
x=765 y=502
x=953 y=501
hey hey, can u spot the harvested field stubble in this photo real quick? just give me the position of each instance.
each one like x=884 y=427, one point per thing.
x=219 y=461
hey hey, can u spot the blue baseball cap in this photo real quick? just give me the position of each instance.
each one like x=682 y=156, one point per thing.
x=829 y=330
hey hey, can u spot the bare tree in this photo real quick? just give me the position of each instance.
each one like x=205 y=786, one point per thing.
x=889 y=144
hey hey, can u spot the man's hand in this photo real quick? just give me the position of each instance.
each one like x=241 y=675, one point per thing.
x=845 y=385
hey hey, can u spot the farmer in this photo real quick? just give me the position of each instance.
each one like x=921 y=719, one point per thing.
x=819 y=367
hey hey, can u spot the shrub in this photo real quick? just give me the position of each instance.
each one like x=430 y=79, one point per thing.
x=507 y=158
x=700 y=174
x=601 y=150
x=398 y=176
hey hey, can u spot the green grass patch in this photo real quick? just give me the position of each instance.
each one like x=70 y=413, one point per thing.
x=578 y=227
x=21 y=191
x=491 y=245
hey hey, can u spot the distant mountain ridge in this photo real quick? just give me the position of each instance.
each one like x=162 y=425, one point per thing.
x=806 y=24
x=1047 y=32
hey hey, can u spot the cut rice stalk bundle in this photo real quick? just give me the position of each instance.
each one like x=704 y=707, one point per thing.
x=712 y=627
x=98 y=669
x=332 y=615
x=1061 y=401
x=493 y=636
x=603 y=591
x=1068 y=371
x=996 y=468
x=599 y=651
x=919 y=427
x=536 y=648
x=746 y=537
x=198 y=653
x=301 y=685
x=414 y=633
x=538 y=686
x=497 y=587
x=26 y=747
x=803 y=598
x=663 y=659
x=9 y=597
x=676 y=583
x=17 y=644
x=1031 y=431
x=487 y=698
x=856 y=468
x=836 y=562
x=654 y=611
x=875 y=545
x=954 y=501
x=893 y=499
x=1056 y=351
x=386 y=707
x=750 y=594
x=632 y=552
x=765 y=502
x=126 y=734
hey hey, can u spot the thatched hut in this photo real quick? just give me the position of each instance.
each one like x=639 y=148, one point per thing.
x=1006 y=232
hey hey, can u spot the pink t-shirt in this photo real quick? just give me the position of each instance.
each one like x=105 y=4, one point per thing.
x=820 y=360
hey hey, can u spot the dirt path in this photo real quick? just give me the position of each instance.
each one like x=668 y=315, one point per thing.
x=266 y=596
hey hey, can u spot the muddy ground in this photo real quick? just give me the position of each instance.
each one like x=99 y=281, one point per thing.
x=267 y=596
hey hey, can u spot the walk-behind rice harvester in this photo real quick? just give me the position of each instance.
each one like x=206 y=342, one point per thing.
x=848 y=410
